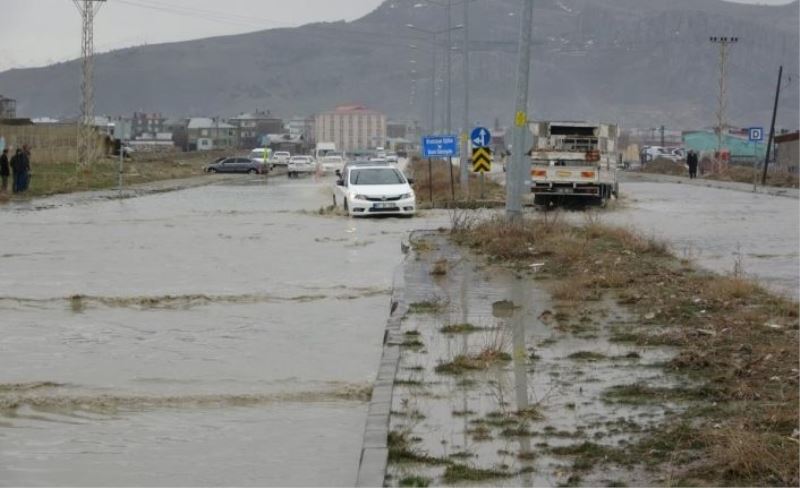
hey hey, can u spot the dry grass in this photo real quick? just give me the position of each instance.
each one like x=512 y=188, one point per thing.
x=744 y=174
x=731 y=333
x=442 y=191
x=666 y=167
x=48 y=178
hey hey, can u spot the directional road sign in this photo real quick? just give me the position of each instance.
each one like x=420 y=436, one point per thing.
x=481 y=160
x=480 y=137
x=756 y=134
x=439 y=146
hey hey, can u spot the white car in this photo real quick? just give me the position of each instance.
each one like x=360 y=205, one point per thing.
x=301 y=165
x=376 y=190
x=332 y=163
x=280 y=158
x=391 y=158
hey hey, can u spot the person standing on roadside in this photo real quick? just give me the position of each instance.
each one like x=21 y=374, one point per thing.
x=19 y=167
x=692 y=161
x=5 y=171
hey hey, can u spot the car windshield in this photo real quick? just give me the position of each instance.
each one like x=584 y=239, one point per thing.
x=376 y=176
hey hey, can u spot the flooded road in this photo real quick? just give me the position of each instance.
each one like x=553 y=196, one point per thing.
x=217 y=335
x=719 y=229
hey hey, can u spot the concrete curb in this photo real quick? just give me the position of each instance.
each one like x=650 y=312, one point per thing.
x=375 y=450
x=722 y=185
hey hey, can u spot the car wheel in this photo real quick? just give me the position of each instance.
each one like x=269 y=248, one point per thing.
x=251 y=171
x=212 y=170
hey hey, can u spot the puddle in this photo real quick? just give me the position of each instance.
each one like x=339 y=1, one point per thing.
x=540 y=394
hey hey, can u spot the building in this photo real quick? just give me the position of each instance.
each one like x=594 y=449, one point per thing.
x=736 y=150
x=787 y=156
x=146 y=123
x=351 y=127
x=251 y=126
x=8 y=108
x=301 y=128
x=203 y=134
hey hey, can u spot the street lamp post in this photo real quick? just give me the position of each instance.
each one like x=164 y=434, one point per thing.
x=434 y=44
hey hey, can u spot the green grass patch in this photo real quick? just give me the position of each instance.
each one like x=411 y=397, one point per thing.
x=461 y=472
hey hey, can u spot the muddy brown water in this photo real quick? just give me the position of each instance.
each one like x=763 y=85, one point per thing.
x=221 y=335
x=546 y=373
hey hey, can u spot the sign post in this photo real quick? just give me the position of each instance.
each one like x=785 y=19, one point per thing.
x=481 y=138
x=440 y=147
x=755 y=135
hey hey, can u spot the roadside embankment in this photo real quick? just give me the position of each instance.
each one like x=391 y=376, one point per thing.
x=718 y=181
x=545 y=352
x=51 y=177
x=432 y=185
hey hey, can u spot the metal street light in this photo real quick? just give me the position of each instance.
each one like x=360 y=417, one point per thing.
x=434 y=35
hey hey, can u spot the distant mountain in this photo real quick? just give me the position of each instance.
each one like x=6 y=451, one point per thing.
x=639 y=62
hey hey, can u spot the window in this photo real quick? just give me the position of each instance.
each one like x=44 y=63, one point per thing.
x=376 y=176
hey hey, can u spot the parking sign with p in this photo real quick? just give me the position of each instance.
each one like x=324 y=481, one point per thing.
x=756 y=134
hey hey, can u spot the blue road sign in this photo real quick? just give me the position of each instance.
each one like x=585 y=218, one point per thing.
x=756 y=134
x=439 y=146
x=480 y=137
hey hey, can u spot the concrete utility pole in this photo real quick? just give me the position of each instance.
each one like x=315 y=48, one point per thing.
x=86 y=133
x=465 y=156
x=722 y=99
x=518 y=172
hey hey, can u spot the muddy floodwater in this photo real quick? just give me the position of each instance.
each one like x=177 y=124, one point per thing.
x=720 y=229
x=220 y=335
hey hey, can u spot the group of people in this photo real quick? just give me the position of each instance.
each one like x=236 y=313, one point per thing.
x=18 y=168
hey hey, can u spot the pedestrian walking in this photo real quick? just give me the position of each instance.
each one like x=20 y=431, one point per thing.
x=5 y=171
x=692 y=161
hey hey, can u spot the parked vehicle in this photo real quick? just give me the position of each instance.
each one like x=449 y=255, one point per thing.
x=301 y=165
x=391 y=158
x=574 y=161
x=280 y=158
x=651 y=153
x=366 y=189
x=235 y=165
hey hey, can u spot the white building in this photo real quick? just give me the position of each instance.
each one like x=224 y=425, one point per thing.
x=351 y=127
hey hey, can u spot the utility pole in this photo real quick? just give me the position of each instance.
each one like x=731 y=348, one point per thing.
x=722 y=101
x=772 y=125
x=661 y=129
x=433 y=86
x=465 y=156
x=517 y=174
x=448 y=78
x=434 y=44
x=86 y=133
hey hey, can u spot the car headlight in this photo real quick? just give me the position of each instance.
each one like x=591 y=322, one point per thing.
x=406 y=195
x=360 y=197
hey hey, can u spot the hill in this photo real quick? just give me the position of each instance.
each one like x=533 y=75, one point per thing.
x=639 y=62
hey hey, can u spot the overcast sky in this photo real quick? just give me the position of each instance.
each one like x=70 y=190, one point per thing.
x=40 y=32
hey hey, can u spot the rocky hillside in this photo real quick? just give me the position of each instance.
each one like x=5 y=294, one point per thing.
x=639 y=62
